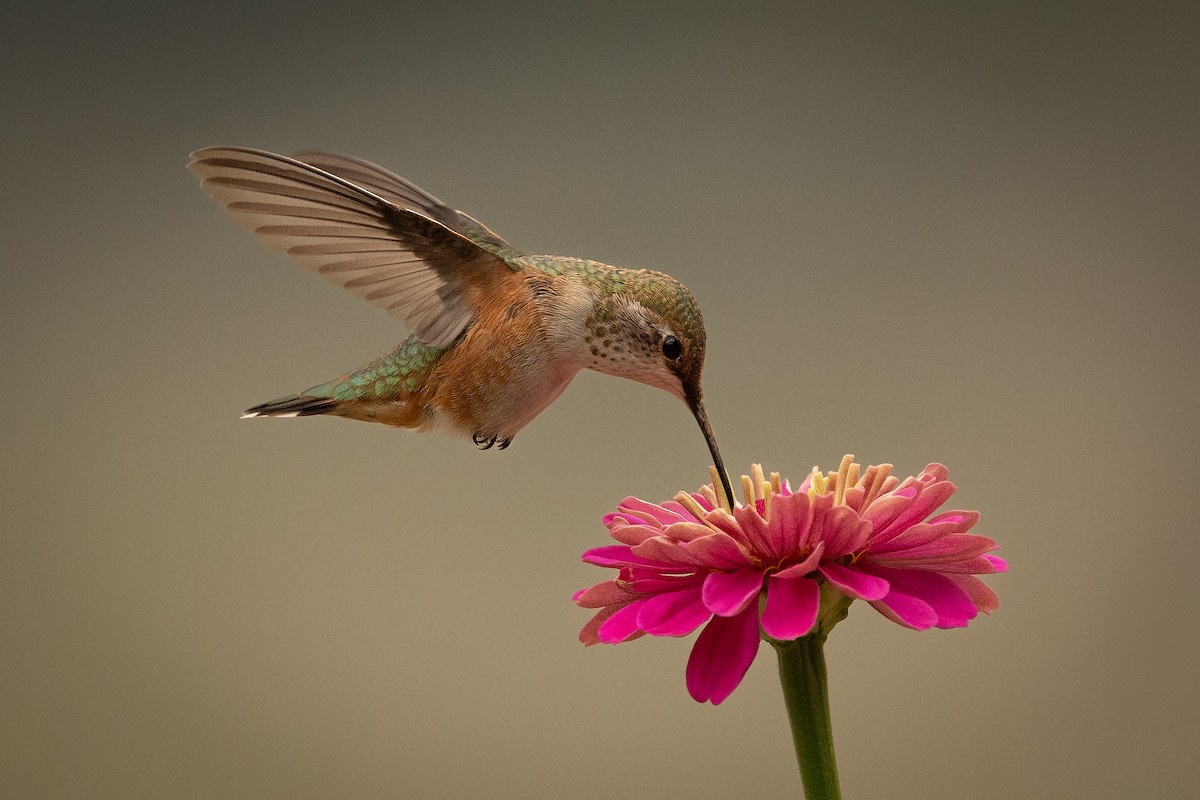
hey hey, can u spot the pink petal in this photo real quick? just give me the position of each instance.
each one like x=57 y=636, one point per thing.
x=980 y=593
x=933 y=473
x=906 y=610
x=951 y=604
x=885 y=508
x=666 y=551
x=967 y=566
x=977 y=565
x=723 y=652
x=620 y=555
x=754 y=529
x=673 y=613
x=651 y=582
x=922 y=506
x=723 y=521
x=589 y=635
x=963 y=521
x=617 y=518
x=633 y=534
x=843 y=531
x=854 y=497
x=678 y=508
x=818 y=508
x=621 y=625
x=920 y=534
x=792 y=514
x=999 y=563
x=792 y=607
x=687 y=531
x=728 y=593
x=650 y=512
x=603 y=594
x=804 y=567
x=853 y=582
x=718 y=551
x=947 y=549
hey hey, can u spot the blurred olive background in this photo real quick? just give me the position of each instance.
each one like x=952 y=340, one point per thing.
x=947 y=232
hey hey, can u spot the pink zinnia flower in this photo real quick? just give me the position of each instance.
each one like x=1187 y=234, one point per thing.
x=771 y=563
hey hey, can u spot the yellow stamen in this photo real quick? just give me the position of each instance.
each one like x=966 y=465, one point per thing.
x=722 y=501
x=816 y=483
x=687 y=501
x=852 y=478
x=708 y=494
x=776 y=483
x=839 y=488
x=767 y=494
x=867 y=480
x=756 y=474
x=748 y=490
x=875 y=485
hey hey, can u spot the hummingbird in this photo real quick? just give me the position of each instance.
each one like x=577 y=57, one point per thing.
x=496 y=335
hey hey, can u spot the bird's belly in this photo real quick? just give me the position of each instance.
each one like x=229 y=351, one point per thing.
x=498 y=393
x=516 y=408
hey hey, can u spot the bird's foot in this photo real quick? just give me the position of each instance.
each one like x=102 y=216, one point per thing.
x=487 y=442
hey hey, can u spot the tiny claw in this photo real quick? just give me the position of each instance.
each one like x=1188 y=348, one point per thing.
x=483 y=442
x=503 y=443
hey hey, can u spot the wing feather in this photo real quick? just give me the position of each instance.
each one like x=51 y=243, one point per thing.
x=361 y=228
x=405 y=194
x=368 y=262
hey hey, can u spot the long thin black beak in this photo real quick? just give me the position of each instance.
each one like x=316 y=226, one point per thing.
x=702 y=418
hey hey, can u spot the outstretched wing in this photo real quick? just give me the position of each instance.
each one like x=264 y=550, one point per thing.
x=405 y=194
x=400 y=259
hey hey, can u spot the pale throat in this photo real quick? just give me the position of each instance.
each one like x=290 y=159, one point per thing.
x=591 y=328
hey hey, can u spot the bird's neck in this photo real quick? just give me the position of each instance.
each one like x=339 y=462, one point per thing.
x=572 y=320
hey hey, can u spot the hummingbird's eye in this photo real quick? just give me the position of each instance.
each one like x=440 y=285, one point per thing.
x=672 y=348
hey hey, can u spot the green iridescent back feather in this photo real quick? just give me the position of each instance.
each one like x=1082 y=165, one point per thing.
x=390 y=376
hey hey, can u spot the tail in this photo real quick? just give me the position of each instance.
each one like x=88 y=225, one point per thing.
x=296 y=405
x=383 y=391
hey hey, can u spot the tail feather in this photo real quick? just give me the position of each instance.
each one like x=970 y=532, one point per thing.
x=386 y=391
x=296 y=405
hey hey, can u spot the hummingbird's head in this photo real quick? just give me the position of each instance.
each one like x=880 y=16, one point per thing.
x=648 y=327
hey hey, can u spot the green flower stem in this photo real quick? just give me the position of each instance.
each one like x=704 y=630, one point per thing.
x=805 y=690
